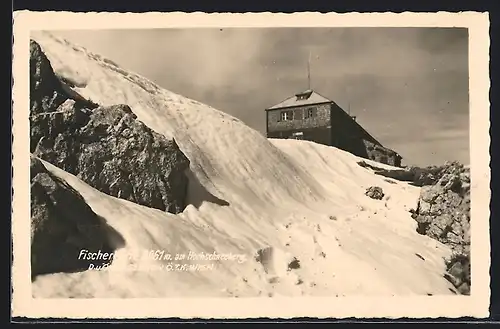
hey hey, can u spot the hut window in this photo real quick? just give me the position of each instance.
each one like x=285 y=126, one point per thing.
x=310 y=113
x=286 y=116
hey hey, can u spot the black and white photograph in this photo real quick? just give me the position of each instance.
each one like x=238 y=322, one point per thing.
x=261 y=163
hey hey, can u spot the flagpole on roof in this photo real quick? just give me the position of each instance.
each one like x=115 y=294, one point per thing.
x=309 y=71
x=348 y=92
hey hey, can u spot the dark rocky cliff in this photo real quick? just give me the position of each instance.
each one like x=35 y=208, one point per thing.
x=62 y=224
x=107 y=147
x=443 y=213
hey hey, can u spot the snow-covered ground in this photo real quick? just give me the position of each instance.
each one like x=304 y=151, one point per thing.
x=289 y=199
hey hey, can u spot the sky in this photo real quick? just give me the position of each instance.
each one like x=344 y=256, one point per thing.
x=408 y=87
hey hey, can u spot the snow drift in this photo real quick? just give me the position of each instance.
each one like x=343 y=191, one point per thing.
x=293 y=215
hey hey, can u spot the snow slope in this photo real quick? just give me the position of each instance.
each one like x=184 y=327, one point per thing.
x=288 y=199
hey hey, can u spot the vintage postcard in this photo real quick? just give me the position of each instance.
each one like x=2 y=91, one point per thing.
x=174 y=165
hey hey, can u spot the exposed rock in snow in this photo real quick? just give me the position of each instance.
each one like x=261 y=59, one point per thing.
x=417 y=176
x=47 y=94
x=46 y=91
x=62 y=224
x=375 y=192
x=458 y=272
x=443 y=213
x=107 y=147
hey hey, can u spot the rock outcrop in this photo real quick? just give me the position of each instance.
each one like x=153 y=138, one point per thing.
x=46 y=92
x=417 y=176
x=405 y=175
x=107 y=147
x=382 y=154
x=443 y=213
x=375 y=192
x=62 y=225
